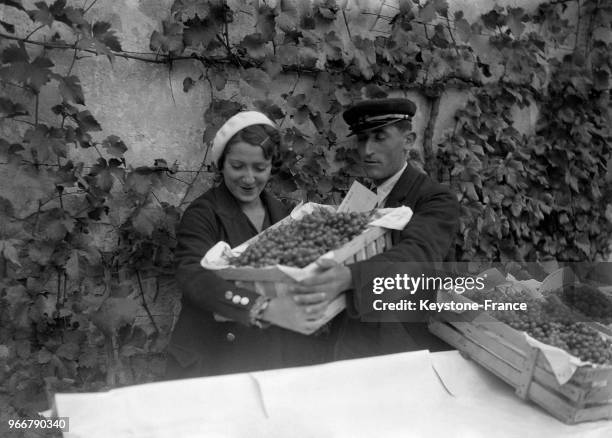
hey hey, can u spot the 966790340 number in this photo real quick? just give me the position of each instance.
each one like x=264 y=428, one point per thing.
x=57 y=423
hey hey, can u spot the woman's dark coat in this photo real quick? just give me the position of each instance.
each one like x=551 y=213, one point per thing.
x=200 y=344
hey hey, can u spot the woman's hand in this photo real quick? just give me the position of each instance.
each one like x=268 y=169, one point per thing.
x=284 y=312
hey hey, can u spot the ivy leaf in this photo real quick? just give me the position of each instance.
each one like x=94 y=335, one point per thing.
x=186 y=9
x=9 y=109
x=333 y=46
x=343 y=96
x=147 y=219
x=101 y=39
x=23 y=348
x=88 y=358
x=428 y=12
x=40 y=252
x=439 y=37
x=102 y=175
x=57 y=8
x=199 y=32
x=269 y=108
x=7 y=26
x=115 y=313
x=72 y=17
x=39 y=73
x=68 y=350
x=102 y=32
x=601 y=79
x=441 y=7
x=139 y=183
x=365 y=56
x=34 y=74
x=256 y=78
x=114 y=146
x=44 y=141
x=494 y=19
x=216 y=114
x=70 y=89
x=15 y=54
x=583 y=243
x=43 y=356
x=188 y=84
x=272 y=67
x=170 y=41
x=56 y=226
x=42 y=14
x=462 y=27
x=284 y=184
x=13 y=3
x=265 y=24
x=218 y=78
x=515 y=17
x=87 y=122
x=72 y=265
x=255 y=45
x=9 y=252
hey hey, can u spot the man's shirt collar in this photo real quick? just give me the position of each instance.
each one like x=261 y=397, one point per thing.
x=383 y=190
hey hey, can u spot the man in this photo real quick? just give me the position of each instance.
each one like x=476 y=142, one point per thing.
x=384 y=136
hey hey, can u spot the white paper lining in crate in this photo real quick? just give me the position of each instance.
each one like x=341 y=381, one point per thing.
x=562 y=363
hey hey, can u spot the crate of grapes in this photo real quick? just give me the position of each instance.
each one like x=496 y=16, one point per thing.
x=550 y=358
x=283 y=254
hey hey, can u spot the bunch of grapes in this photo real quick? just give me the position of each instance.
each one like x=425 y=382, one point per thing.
x=301 y=242
x=574 y=337
x=589 y=301
x=501 y=293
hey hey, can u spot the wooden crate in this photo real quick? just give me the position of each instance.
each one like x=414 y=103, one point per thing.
x=587 y=396
x=272 y=282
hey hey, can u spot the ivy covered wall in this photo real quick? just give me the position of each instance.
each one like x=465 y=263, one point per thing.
x=107 y=109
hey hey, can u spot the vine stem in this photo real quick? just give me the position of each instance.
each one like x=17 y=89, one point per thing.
x=348 y=29
x=36 y=108
x=90 y=6
x=576 y=45
x=34 y=31
x=450 y=32
x=73 y=46
x=434 y=104
x=144 y=302
x=190 y=186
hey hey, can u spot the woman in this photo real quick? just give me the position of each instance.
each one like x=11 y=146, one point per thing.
x=223 y=328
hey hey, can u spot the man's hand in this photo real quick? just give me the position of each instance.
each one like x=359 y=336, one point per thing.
x=318 y=290
x=284 y=312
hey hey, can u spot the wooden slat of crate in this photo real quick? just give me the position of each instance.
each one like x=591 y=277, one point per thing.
x=489 y=361
x=565 y=411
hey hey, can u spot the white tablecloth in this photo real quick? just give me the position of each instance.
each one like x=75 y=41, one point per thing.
x=417 y=394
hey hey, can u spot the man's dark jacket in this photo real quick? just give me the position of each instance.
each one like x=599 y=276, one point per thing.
x=201 y=345
x=426 y=240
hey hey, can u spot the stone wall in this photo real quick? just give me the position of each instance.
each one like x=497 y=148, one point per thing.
x=144 y=103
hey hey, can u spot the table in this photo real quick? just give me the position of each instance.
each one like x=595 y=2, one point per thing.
x=414 y=394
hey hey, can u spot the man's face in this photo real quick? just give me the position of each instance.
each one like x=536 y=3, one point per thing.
x=383 y=151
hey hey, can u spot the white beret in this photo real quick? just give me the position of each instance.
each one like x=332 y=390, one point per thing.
x=232 y=126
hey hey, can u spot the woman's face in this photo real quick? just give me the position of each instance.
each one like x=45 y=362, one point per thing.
x=246 y=171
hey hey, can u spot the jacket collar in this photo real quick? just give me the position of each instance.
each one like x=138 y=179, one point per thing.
x=408 y=179
x=228 y=205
